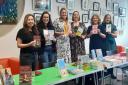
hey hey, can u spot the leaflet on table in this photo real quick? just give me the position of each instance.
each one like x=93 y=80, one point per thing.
x=62 y=67
x=49 y=34
x=6 y=76
x=79 y=31
x=108 y=27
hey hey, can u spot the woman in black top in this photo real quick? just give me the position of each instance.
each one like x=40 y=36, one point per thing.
x=25 y=41
x=96 y=34
x=48 y=42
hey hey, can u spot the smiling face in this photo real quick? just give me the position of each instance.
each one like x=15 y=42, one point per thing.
x=45 y=18
x=30 y=21
x=63 y=14
x=95 y=19
x=107 y=19
x=76 y=16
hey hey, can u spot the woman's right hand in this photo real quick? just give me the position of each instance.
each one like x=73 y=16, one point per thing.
x=32 y=43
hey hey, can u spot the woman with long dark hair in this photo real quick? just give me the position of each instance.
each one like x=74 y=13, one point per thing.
x=111 y=34
x=48 y=48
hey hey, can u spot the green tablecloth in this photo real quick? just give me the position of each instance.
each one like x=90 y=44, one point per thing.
x=49 y=76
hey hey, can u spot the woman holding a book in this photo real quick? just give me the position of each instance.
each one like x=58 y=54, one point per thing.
x=28 y=41
x=62 y=32
x=96 y=34
x=48 y=42
x=111 y=33
x=77 y=38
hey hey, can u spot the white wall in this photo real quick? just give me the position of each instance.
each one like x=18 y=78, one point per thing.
x=8 y=46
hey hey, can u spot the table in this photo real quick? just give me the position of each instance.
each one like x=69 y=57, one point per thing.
x=51 y=76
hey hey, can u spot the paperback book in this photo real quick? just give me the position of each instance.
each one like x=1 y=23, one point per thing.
x=62 y=67
x=25 y=75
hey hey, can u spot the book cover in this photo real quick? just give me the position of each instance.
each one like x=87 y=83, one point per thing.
x=37 y=39
x=79 y=31
x=25 y=75
x=62 y=67
x=49 y=34
x=6 y=76
x=94 y=29
x=93 y=54
x=108 y=27
x=99 y=54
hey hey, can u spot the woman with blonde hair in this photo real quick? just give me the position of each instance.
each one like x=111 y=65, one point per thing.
x=62 y=32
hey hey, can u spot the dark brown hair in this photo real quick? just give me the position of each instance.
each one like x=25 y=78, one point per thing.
x=41 y=23
x=95 y=15
x=73 y=14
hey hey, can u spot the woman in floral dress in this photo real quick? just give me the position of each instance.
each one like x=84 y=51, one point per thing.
x=62 y=32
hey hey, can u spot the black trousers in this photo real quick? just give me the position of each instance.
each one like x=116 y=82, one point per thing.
x=28 y=59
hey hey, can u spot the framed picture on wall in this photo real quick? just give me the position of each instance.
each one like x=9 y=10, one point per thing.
x=84 y=4
x=85 y=18
x=40 y=5
x=37 y=17
x=115 y=9
x=70 y=4
x=61 y=1
x=108 y=5
x=122 y=12
x=96 y=6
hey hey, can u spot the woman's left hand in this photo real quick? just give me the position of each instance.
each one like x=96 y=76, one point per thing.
x=82 y=36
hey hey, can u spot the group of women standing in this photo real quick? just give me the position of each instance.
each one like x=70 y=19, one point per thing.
x=68 y=40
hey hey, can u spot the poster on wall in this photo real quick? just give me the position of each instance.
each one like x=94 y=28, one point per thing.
x=8 y=12
x=40 y=5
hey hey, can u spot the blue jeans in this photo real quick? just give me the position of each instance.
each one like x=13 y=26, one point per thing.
x=48 y=56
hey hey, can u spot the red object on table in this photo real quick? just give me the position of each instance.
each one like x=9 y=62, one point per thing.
x=12 y=63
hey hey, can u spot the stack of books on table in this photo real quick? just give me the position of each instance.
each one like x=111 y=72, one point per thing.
x=113 y=60
x=74 y=70
x=6 y=76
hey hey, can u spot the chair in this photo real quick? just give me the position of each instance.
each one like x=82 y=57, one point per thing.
x=12 y=63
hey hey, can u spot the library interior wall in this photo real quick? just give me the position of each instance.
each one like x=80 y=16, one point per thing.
x=8 y=47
